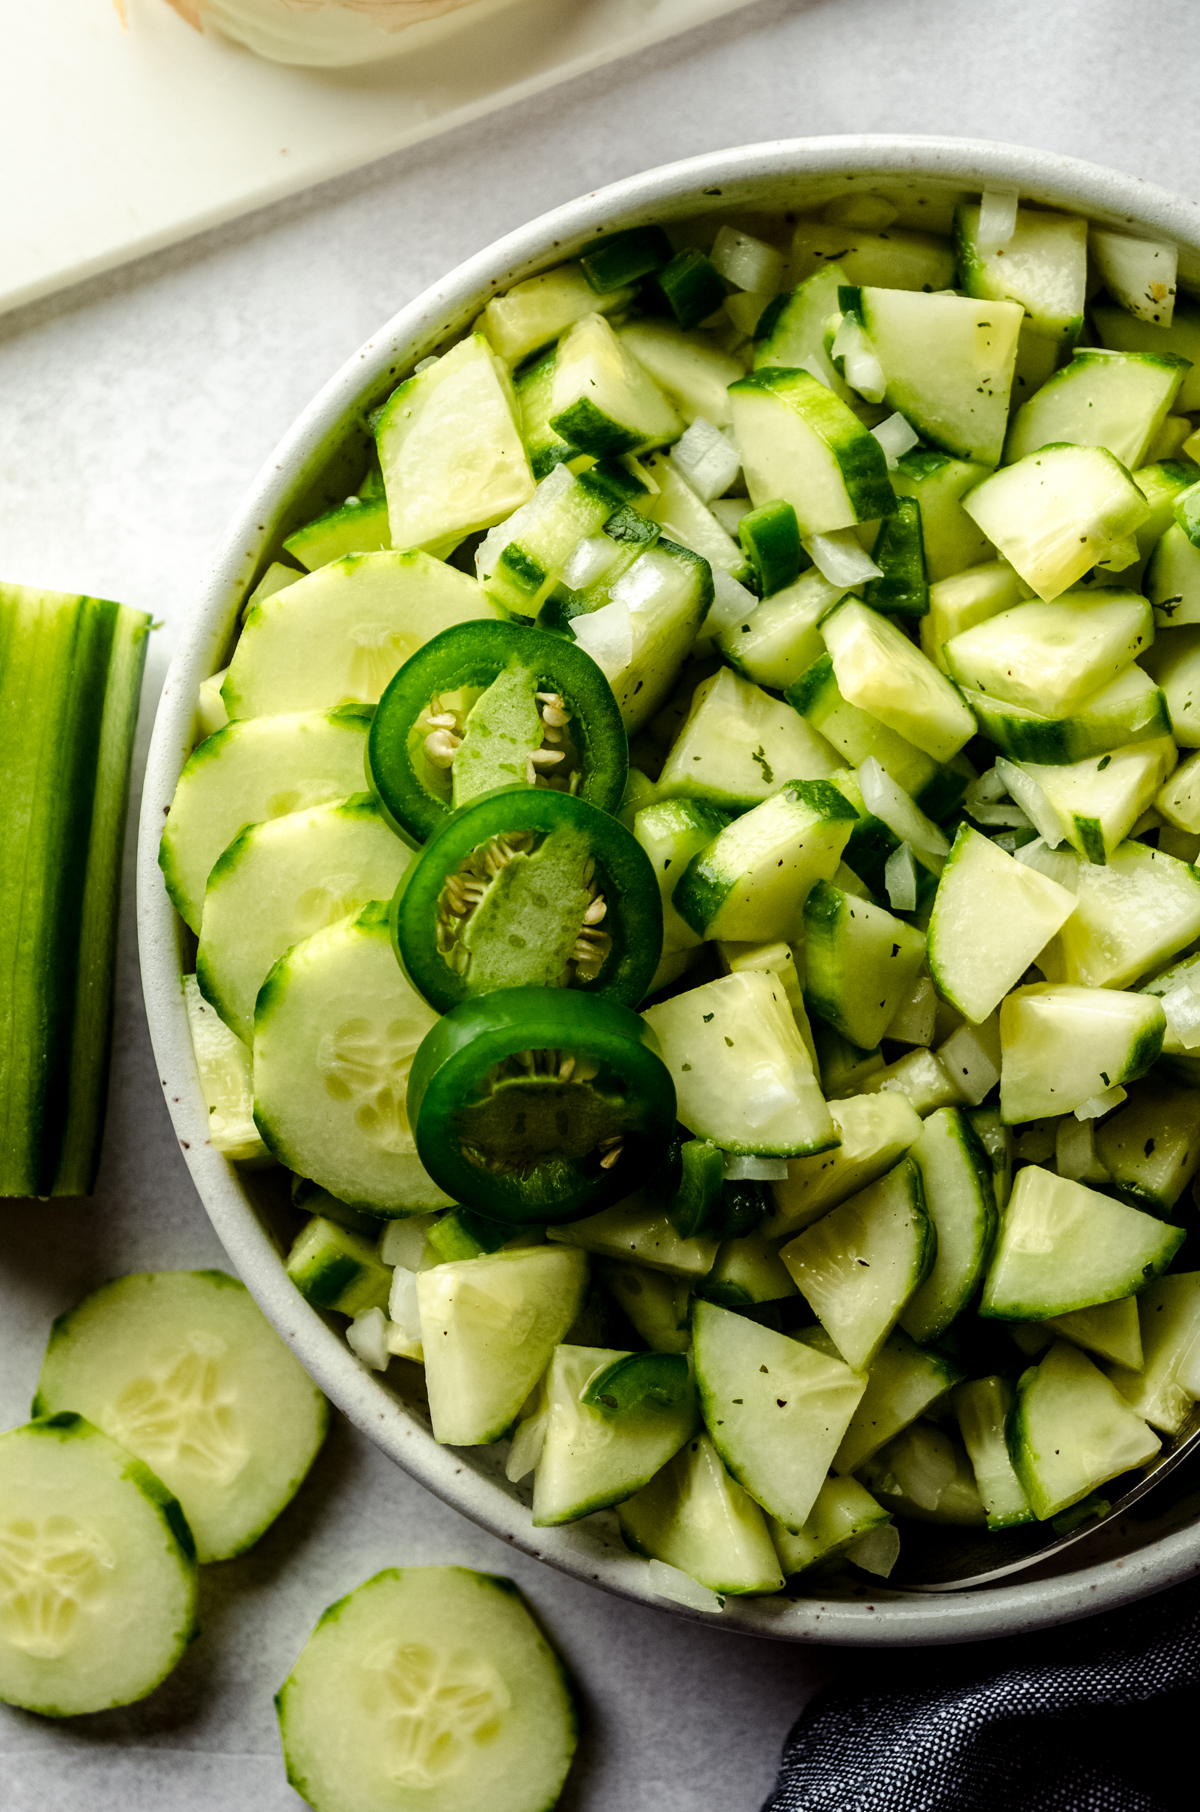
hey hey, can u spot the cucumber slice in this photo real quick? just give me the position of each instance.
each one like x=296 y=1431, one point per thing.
x=533 y=388
x=98 y=1570
x=663 y=599
x=747 y=1271
x=961 y=601
x=1130 y=916
x=1053 y=657
x=878 y=669
x=997 y=1141
x=1109 y=1331
x=1117 y=400
x=594 y=1456
x=961 y=1203
x=778 y=640
x=251 y=770
x=991 y=917
x=1138 y=273
x=1058 y=512
x=751 y=882
x=1063 y=1044
x=1178 y=801
x=924 y=1473
x=338 y=636
x=1151 y=1146
x=671 y=832
x=334 y=1267
x=902 y=1384
x=922 y=1077
x=860 y=1264
x=947 y=364
x=1163 y=1388
x=531 y=314
x=739 y=745
x=1092 y=804
x=524 y=557
x=875 y=1131
x=335 y=1035
x=800 y=445
x=1062 y=1246
x=1117 y=328
x=358 y=526
x=859 y=962
x=1071 y=1430
x=183 y=1369
x=602 y=399
x=282 y=881
x=952 y=540
x=742 y=1075
x=695 y=1517
x=1130 y=709
x=897 y=256
x=983 y=1408
x=656 y=1304
x=1043 y=266
x=638 y=1230
x=854 y=733
x=1173 y=580
x=1174 y=662
x=776 y=1410
x=451 y=450
x=489 y=1327
x=844 y=1510
x=775 y=959
x=225 y=1077
x=692 y=372
x=428 y=1687
x=844 y=1069
x=791 y=329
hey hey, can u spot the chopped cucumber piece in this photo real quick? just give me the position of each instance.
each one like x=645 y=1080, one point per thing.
x=99 y=1572
x=902 y=1384
x=337 y=636
x=939 y=484
x=778 y=640
x=1043 y=266
x=358 y=526
x=875 y=1131
x=639 y=1229
x=1130 y=916
x=878 y=669
x=660 y=603
x=1161 y=1388
x=843 y=1512
x=225 y=1078
x=531 y=314
x=791 y=329
x=489 y=1327
x=746 y=1271
x=671 y=832
x=860 y=1264
x=1173 y=580
x=983 y=1407
x=947 y=364
x=1116 y=400
x=280 y=882
x=991 y=918
x=1053 y=657
x=1117 y=328
x=859 y=962
x=739 y=745
x=898 y=257
x=1138 y=273
x=1109 y=1331
x=803 y=446
x=254 y=769
x=1131 y=708
x=742 y=1075
x=334 y=1267
x=603 y=400
x=428 y=1687
x=1092 y=804
x=692 y=372
x=961 y=601
x=695 y=1517
x=656 y=1304
x=183 y=1369
x=960 y=1201
x=751 y=882
x=336 y=1031
x=922 y=1077
x=1063 y=1044
x=594 y=1456
x=853 y=732
x=770 y=535
x=776 y=1410
x=691 y=286
x=533 y=388
x=1151 y=1146
x=1062 y=1247
x=618 y=258
x=524 y=557
x=1071 y=1430
x=899 y=551
x=1178 y=800
x=451 y=449
x=1058 y=512
x=777 y=959
x=924 y=1473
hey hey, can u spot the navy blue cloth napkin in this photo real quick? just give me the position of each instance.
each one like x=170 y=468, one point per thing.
x=1069 y=1720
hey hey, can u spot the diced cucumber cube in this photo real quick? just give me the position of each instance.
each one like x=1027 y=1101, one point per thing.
x=685 y=518
x=1129 y=709
x=899 y=551
x=672 y=832
x=1063 y=1044
x=1130 y=917
x=1071 y=1430
x=859 y=1265
x=532 y=313
x=618 y=258
x=991 y=918
x=776 y=1409
x=1117 y=328
x=336 y=1269
x=901 y=1385
x=922 y=1077
x=1058 y=512
x=1111 y=1330
x=1138 y=273
x=752 y=880
x=939 y=483
x=899 y=257
x=695 y=1517
x=925 y=1473
x=1043 y=266
x=691 y=286
x=1163 y=1389
x=1092 y=804
x=354 y=527
x=655 y=1303
x=741 y=1072
x=875 y=1131
x=1173 y=580
x=747 y=1270
x=1179 y=799
x=770 y=535
x=855 y=733
x=1116 y=400
x=964 y=599
x=602 y=399
x=878 y=669
x=1062 y=1247
x=739 y=745
x=1052 y=657
x=533 y=388
x=692 y=372
x=224 y=1065
x=791 y=329
x=983 y=1407
x=801 y=445
x=779 y=639
x=959 y=1199
x=844 y=1511
x=638 y=1229
x=859 y=962
x=1151 y=1146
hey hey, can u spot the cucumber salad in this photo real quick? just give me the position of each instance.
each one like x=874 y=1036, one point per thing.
x=692 y=871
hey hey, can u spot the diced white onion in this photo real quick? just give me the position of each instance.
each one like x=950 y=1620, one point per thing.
x=590 y=558
x=877 y=1551
x=997 y=218
x=816 y=369
x=895 y=435
x=741 y=1169
x=862 y=369
x=402 y=1303
x=681 y=1588
x=526 y=1449
x=888 y=801
x=900 y=879
x=747 y=262
x=607 y=635
x=1182 y=1008
x=1103 y=1103
x=729 y=512
x=731 y=604
x=841 y=558
x=1041 y=813
x=1075 y=1151
x=402 y=1242
x=707 y=458
x=986 y=800
x=367 y=1339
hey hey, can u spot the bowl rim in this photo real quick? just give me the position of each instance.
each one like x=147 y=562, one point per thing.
x=591 y=1550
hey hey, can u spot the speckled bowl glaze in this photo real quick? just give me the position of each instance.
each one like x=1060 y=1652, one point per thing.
x=315 y=464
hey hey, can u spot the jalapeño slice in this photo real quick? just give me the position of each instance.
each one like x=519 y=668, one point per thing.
x=539 y=1105
x=529 y=888
x=485 y=705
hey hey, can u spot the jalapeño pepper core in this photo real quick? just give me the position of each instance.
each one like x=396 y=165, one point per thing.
x=540 y=1105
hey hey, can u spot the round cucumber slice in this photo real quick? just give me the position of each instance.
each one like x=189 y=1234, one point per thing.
x=97 y=1572
x=183 y=1369
x=429 y=1688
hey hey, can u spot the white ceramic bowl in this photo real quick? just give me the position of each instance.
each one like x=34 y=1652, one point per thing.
x=313 y=466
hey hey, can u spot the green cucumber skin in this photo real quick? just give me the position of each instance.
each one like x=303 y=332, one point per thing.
x=70 y=676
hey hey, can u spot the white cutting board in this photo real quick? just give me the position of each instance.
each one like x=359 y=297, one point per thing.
x=116 y=142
